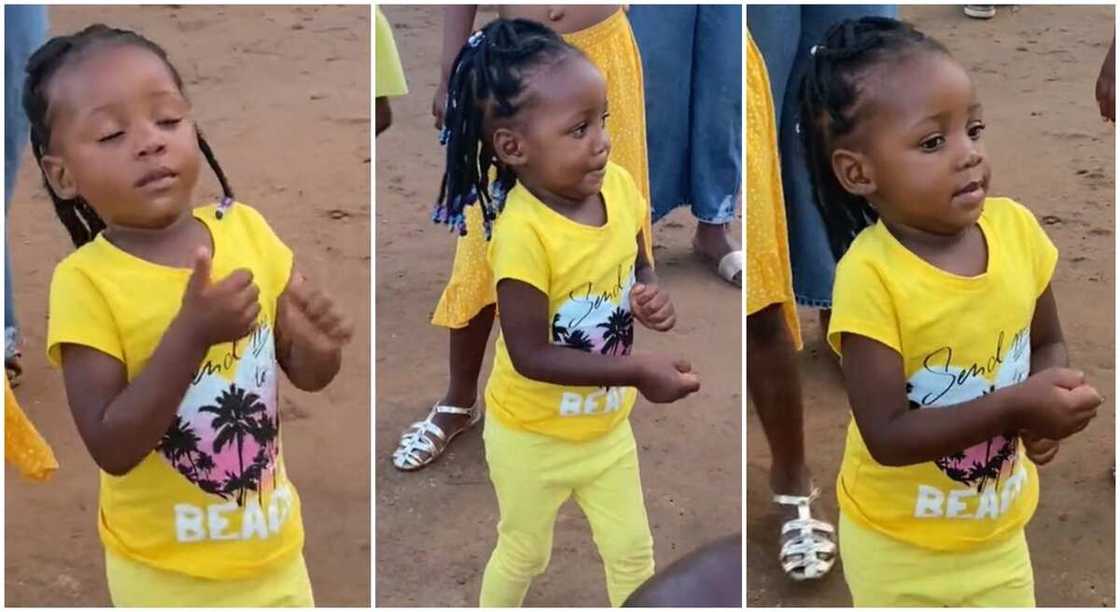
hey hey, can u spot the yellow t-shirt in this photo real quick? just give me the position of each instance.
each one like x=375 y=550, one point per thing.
x=587 y=273
x=212 y=499
x=959 y=338
x=389 y=72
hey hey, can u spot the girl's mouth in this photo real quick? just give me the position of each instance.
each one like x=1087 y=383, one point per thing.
x=158 y=178
x=970 y=195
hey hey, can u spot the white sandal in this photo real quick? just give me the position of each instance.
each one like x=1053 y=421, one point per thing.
x=423 y=442
x=812 y=552
x=730 y=266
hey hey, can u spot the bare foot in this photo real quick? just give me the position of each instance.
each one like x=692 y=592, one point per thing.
x=713 y=242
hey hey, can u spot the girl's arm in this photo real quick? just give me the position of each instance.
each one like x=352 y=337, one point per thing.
x=648 y=302
x=310 y=334
x=1054 y=403
x=1048 y=345
x=120 y=422
x=525 y=325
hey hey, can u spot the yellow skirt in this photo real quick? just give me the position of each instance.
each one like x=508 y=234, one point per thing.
x=136 y=585
x=611 y=47
x=769 y=279
x=23 y=446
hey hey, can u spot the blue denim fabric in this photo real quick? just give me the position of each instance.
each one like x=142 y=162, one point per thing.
x=692 y=65
x=25 y=28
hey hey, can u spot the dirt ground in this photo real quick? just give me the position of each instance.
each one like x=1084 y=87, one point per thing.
x=436 y=528
x=283 y=96
x=1036 y=69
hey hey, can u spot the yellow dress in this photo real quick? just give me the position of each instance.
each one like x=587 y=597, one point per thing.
x=769 y=279
x=23 y=446
x=611 y=47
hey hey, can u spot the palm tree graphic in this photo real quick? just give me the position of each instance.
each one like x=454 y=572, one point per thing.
x=181 y=442
x=620 y=332
x=234 y=420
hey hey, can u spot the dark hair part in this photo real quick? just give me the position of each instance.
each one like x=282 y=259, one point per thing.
x=830 y=108
x=487 y=82
x=76 y=214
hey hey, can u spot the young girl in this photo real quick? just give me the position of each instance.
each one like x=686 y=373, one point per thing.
x=169 y=322
x=944 y=318
x=466 y=307
x=570 y=278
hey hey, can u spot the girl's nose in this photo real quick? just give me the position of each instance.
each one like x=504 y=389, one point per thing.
x=973 y=155
x=151 y=142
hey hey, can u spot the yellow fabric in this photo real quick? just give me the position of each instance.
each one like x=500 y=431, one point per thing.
x=160 y=512
x=959 y=338
x=389 y=72
x=610 y=46
x=533 y=476
x=23 y=446
x=769 y=279
x=587 y=273
x=136 y=585
x=882 y=572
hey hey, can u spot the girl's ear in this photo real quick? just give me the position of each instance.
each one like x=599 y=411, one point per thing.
x=854 y=171
x=60 y=179
x=509 y=147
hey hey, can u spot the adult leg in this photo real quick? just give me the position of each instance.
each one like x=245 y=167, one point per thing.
x=717 y=136
x=25 y=28
x=774 y=382
x=664 y=34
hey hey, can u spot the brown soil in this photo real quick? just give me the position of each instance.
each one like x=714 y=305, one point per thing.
x=283 y=94
x=1036 y=69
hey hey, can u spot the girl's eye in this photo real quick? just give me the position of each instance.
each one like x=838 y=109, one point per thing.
x=932 y=143
x=605 y=117
x=975 y=130
x=580 y=130
x=169 y=122
x=110 y=137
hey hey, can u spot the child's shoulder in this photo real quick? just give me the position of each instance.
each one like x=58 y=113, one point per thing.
x=1003 y=209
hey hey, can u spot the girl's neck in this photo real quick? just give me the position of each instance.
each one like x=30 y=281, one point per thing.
x=172 y=245
x=591 y=210
x=964 y=253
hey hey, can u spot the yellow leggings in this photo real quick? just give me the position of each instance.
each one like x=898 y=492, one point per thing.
x=533 y=475
x=137 y=585
x=885 y=573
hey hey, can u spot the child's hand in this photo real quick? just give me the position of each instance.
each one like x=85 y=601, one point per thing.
x=663 y=379
x=652 y=307
x=219 y=312
x=310 y=318
x=1040 y=450
x=438 y=102
x=1055 y=403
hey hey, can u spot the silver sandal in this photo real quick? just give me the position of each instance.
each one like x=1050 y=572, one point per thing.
x=423 y=442
x=812 y=552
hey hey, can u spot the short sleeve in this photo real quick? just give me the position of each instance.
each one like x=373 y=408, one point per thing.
x=390 y=80
x=862 y=304
x=516 y=252
x=275 y=255
x=79 y=314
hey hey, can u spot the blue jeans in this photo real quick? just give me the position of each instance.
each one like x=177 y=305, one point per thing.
x=692 y=65
x=25 y=29
x=784 y=34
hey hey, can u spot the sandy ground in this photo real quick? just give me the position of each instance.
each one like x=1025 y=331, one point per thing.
x=283 y=96
x=1036 y=69
x=436 y=528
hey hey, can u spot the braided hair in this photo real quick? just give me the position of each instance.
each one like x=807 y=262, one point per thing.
x=487 y=82
x=832 y=105
x=80 y=219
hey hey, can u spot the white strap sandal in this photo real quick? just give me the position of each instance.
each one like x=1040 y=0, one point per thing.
x=731 y=266
x=423 y=441
x=810 y=553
